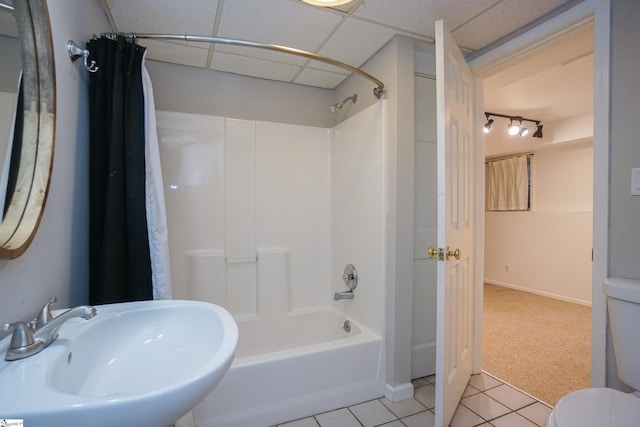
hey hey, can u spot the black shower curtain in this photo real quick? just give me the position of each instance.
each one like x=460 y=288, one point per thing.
x=120 y=266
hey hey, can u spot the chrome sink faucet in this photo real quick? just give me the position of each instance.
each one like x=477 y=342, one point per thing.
x=32 y=338
x=48 y=332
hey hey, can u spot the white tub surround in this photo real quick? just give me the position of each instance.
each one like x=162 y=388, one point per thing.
x=263 y=217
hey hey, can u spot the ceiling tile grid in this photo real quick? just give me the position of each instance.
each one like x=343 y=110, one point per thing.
x=352 y=33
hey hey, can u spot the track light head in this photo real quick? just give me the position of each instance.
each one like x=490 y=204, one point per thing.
x=538 y=132
x=487 y=126
x=514 y=129
x=524 y=131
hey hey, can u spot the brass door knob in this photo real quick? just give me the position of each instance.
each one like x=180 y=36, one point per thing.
x=432 y=252
x=455 y=253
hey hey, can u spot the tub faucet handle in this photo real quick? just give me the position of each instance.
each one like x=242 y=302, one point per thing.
x=350 y=276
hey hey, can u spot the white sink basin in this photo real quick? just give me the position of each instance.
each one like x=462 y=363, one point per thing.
x=142 y=363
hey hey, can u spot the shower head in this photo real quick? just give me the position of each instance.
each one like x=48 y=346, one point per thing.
x=337 y=106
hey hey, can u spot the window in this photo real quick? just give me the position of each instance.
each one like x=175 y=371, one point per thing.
x=508 y=183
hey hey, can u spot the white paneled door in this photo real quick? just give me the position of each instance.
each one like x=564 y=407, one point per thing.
x=456 y=226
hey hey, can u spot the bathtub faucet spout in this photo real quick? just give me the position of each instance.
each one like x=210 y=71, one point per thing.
x=343 y=295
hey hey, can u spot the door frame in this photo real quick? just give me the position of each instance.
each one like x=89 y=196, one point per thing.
x=588 y=12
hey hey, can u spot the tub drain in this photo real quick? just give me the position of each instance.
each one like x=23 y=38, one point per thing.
x=346 y=326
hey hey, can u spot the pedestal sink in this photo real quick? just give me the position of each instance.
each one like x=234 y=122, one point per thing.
x=141 y=364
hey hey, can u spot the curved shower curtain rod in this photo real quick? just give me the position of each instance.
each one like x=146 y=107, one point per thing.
x=210 y=39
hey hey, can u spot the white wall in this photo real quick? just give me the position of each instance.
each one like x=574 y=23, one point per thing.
x=423 y=355
x=56 y=263
x=624 y=209
x=548 y=249
x=199 y=91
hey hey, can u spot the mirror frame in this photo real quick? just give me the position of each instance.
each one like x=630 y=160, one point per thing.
x=25 y=209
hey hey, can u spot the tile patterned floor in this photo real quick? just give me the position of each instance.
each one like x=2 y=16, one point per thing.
x=486 y=402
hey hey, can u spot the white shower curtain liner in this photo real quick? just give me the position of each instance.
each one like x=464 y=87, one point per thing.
x=508 y=184
x=156 y=212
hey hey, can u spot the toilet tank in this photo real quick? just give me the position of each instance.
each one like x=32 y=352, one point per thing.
x=623 y=304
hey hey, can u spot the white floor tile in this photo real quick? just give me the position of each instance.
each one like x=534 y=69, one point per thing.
x=510 y=397
x=304 y=422
x=372 y=413
x=403 y=408
x=537 y=413
x=423 y=419
x=470 y=390
x=339 y=418
x=485 y=406
x=486 y=402
x=426 y=395
x=464 y=417
x=512 y=420
x=483 y=382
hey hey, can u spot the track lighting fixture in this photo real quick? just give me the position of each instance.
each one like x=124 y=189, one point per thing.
x=515 y=126
x=487 y=126
x=538 y=132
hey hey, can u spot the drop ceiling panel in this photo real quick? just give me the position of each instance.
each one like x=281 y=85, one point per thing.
x=501 y=20
x=164 y=16
x=277 y=22
x=409 y=15
x=355 y=41
x=456 y=12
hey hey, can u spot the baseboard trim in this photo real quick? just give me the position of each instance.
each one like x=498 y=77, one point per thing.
x=537 y=292
x=398 y=392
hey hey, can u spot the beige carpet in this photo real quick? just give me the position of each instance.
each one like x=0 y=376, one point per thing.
x=539 y=345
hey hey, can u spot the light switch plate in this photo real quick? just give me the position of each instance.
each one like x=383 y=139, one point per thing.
x=635 y=182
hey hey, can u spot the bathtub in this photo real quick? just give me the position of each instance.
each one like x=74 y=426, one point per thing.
x=291 y=366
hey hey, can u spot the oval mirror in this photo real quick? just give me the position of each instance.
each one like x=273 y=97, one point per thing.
x=28 y=154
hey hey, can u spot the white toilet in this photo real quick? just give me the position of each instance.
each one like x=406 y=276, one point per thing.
x=606 y=407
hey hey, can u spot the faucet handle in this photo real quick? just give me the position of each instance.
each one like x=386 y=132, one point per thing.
x=23 y=344
x=45 y=316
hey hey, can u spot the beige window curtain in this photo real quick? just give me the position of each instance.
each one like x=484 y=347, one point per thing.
x=508 y=184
